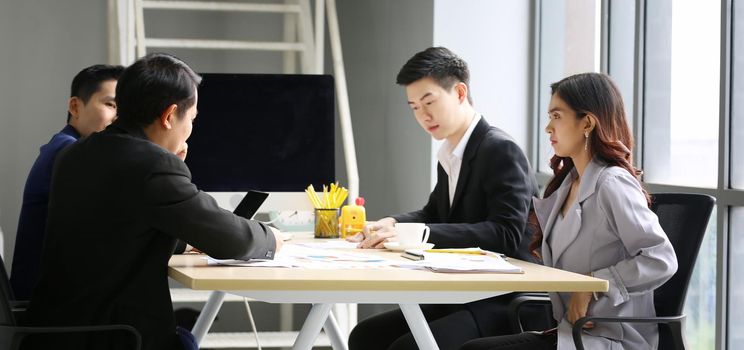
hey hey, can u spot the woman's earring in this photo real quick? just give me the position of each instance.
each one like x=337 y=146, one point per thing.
x=586 y=140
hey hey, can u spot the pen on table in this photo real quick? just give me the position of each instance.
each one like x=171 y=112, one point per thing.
x=413 y=255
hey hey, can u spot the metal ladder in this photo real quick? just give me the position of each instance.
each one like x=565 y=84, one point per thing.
x=297 y=13
x=301 y=38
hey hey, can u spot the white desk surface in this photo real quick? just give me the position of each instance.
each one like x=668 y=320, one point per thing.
x=192 y=271
x=325 y=287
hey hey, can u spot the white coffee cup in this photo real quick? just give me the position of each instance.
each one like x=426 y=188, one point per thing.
x=412 y=233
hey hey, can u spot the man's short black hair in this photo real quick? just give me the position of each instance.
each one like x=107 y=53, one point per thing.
x=438 y=63
x=88 y=81
x=151 y=84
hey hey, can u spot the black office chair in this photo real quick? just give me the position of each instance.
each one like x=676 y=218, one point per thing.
x=11 y=334
x=17 y=306
x=684 y=217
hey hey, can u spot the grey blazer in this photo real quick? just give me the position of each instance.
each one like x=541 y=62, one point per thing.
x=612 y=234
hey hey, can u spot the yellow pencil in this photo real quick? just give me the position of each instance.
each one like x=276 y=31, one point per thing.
x=312 y=198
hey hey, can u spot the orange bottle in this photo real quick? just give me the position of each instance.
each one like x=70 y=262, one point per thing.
x=353 y=218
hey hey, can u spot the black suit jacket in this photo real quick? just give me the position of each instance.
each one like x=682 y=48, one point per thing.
x=492 y=200
x=118 y=204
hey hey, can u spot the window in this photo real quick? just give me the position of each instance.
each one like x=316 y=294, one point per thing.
x=681 y=111
x=737 y=98
x=736 y=218
x=700 y=305
x=621 y=51
x=736 y=275
x=681 y=126
x=569 y=44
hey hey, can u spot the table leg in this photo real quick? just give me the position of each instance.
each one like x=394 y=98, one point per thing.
x=419 y=327
x=341 y=312
x=312 y=326
x=207 y=315
x=334 y=333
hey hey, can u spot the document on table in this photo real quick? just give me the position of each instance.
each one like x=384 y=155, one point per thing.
x=314 y=258
x=462 y=263
x=330 y=244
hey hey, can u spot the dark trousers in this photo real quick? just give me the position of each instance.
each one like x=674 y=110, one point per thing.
x=451 y=325
x=522 y=341
x=187 y=339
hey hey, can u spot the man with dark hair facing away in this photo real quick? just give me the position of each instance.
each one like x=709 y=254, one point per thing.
x=120 y=199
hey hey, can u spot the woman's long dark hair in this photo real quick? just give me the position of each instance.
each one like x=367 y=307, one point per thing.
x=611 y=140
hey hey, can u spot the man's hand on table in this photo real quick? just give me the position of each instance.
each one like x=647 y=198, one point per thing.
x=375 y=234
x=278 y=237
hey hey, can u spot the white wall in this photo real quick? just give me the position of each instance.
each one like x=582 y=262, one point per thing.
x=379 y=36
x=493 y=36
x=43 y=44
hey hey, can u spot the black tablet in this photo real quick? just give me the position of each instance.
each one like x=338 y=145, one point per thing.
x=250 y=203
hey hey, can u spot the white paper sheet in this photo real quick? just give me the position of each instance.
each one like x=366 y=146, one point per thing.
x=313 y=258
x=463 y=263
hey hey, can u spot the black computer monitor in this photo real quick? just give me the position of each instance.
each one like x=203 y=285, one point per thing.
x=268 y=132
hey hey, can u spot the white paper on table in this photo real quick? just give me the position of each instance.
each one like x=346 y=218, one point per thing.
x=463 y=263
x=323 y=258
x=332 y=244
x=304 y=257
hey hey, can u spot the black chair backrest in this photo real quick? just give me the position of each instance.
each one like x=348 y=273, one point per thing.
x=684 y=217
x=6 y=295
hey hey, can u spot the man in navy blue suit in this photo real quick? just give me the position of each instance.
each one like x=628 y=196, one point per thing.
x=90 y=109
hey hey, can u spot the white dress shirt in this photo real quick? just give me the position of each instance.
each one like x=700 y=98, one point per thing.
x=450 y=157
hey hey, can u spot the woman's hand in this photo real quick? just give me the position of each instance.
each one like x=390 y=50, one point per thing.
x=577 y=307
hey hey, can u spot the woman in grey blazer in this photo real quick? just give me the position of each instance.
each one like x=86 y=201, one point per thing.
x=595 y=220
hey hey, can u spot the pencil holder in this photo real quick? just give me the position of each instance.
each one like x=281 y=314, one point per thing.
x=326 y=223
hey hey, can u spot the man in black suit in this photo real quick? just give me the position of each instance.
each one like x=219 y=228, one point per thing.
x=481 y=199
x=119 y=201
